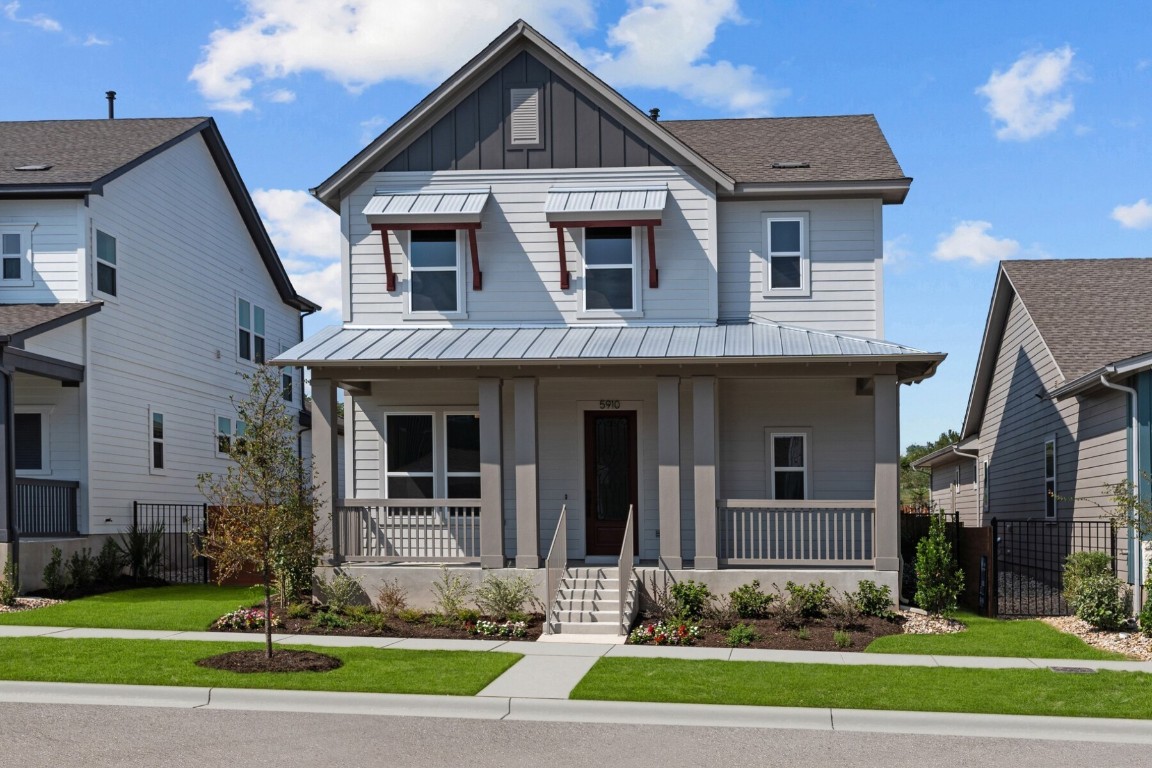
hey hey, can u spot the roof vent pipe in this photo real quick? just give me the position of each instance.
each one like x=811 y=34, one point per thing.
x=111 y=96
x=654 y=113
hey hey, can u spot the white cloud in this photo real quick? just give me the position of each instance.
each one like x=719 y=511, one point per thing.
x=307 y=237
x=39 y=20
x=282 y=96
x=94 y=40
x=1029 y=99
x=1135 y=216
x=897 y=251
x=358 y=43
x=970 y=240
x=371 y=128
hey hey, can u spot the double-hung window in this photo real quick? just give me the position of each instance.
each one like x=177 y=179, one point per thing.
x=610 y=270
x=788 y=465
x=434 y=263
x=1050 y=478
x=229 y=430
x=106 y=265
x=16 y=254
x=30 y=437
x=786 y=269
x=156 y=441
x=250 y=329
x=432 y=455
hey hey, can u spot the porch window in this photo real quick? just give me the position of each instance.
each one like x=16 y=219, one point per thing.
x=251 y=341
x=434 y=264
x=16 y=254
x=786 y=264
x=462 y=431
x=228 y=431
x=610 y=269
x=788 y=455
x=31 y=441
x=432 y=455
x=1050 y=478
x=156 y=440
x=106 y=266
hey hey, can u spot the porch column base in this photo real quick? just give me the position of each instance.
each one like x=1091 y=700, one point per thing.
x=887 y=564
x=707 y=563
x=527 y=561
x=671 y=563
x=491 y=561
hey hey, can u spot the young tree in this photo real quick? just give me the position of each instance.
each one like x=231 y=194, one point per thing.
x=263 y=508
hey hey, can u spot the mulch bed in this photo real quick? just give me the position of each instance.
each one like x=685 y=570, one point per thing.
x=817 y=634
x=282 y=661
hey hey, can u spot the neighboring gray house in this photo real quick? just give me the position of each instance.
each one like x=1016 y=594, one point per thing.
x=136 y=281
x=1061 y=400
x=554 y=301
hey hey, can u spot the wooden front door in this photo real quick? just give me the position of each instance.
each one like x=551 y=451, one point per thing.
x=610 y=482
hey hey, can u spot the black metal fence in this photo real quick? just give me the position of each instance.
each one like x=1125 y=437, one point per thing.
x=1030 y=555
x=183 y=524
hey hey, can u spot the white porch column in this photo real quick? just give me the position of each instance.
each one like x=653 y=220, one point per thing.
x=324 y=463
x=527 y=476
x=491 y=485
x=704 y=469
x=668 y=440
x=887 y=493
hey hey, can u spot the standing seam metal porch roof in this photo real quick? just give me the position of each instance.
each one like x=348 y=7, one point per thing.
x=758 y=338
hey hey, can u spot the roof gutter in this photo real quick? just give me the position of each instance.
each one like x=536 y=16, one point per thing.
x=1136 y=554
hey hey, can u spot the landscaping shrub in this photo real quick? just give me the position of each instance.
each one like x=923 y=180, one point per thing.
x=501 y=596
x=741 y=634
x=1145 y=617
x=1079 y=566
x=872 y=600
x=143 y=548
x=842 y=639
x=749 y=602
x=451 y=591
x=340 y=592
x=692 y=600
x=938 y=580
x=9 y=584
x=81 y=569
x=471 y=616
x=409 y=615
x=391 y=598
x=1102 y=601
x=843 y=612
x=110 y=563
x=496 y=629
x=330 y=619
x=54 y=577
x=811 y=601
x=722 y=613
x=299 y=611
x=665 y=633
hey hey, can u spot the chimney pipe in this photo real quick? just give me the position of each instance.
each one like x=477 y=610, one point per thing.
x=111 y=96
x=654 y=113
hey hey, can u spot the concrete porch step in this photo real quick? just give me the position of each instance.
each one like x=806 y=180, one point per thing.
x=589 y=584
x=593 y=605
x=584 y=628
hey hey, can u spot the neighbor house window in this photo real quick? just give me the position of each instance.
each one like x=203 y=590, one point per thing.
x=105 y=263
x=16 y=254
x=987 y=488
x=434 y=263
x=1050 y=478
x=31 y=441
x=786 y=270
x=250 y=329
x=610 y=269
x=229 y=431
x=156 y=440
x=286 y=382
x=788 y=465
x=432 y=455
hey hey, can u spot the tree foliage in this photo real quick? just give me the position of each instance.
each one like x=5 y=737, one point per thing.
x=263 y=508
x=914 y=482
x=938 y=580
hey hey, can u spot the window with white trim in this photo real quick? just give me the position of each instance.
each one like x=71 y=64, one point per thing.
x=1050 y=478
x=435 y=270
x=786 y=268
x=788 y=465
x=251 y=341
x=432 y=455
x=987 y=488
x=106 y=264
x=16 y=254
x=229 y=431
x=611 y=269
x=30 y=439
x=156 y=456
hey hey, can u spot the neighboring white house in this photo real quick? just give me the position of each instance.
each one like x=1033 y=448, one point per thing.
x=137 y=282
x=554 y=301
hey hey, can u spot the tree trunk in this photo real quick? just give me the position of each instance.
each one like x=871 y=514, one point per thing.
x=267 y=611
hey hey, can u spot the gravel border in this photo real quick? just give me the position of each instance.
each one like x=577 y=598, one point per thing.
x=1130 y=643
x=28 y=603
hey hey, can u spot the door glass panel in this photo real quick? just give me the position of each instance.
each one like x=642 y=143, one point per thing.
x=612 y=468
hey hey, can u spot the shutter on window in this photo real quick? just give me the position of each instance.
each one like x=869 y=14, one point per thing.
x=525 y=122
x=28 y=441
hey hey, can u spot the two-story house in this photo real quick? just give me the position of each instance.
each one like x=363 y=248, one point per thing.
x=668 y=330
x=136 y=281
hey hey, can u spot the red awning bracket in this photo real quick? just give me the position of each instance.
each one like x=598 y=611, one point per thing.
x=477 y=275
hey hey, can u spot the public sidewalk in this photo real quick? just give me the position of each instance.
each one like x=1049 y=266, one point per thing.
x=537 y=688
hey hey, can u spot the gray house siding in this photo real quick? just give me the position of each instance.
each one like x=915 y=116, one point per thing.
x=577 y=132
x=963 y=473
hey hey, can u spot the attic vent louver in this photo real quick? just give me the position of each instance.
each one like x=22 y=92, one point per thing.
x=525 y=119
x=37 y=167
x=793 y=164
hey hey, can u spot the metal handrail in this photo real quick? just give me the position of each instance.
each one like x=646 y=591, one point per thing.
x=627 y=561
x=555 y=565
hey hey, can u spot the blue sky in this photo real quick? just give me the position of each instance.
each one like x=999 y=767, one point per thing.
x=1026 y=126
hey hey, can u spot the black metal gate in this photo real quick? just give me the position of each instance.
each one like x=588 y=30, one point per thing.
x=183 y=524
x=1030 y=557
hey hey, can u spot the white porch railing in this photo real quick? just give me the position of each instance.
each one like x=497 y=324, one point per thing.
x=555 y=565
x=804 y=533
x=408 y=530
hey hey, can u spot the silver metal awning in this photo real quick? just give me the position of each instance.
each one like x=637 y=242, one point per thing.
x=605 y=203
x=427 y=206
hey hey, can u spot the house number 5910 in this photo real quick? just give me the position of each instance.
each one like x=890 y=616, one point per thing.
x=609 y=405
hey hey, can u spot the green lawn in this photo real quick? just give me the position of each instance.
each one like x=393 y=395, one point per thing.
x=931 y=689
x=994 y=637
x=189 y=608
x=171 y=662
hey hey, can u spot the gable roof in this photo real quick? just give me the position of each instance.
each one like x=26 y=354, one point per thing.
x=1089 y=313
x=21 y=321
x=797 y=150
x=84 y=155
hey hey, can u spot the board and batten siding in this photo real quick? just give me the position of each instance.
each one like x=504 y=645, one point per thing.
x=169 y=338
x=518 y=251
x=1090 y=432
x=845 y=249
x=58 y=245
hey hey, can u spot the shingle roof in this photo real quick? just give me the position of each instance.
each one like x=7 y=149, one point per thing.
x=81 y=151
x=1090 y=312
x=19 y=321
x=840 y=148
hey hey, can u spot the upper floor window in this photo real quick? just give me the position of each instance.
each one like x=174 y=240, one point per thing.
x=16 y=254
x=250 y=329
x=788 y=465
x=610 y=270
x=228 y=429
x=1050 y=478
x=105 y=263
x=156 y=440
x=435 y=271
x=786 y=268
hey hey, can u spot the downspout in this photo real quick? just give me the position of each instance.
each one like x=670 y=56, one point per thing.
x=1134 y=474
x=8 y=530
